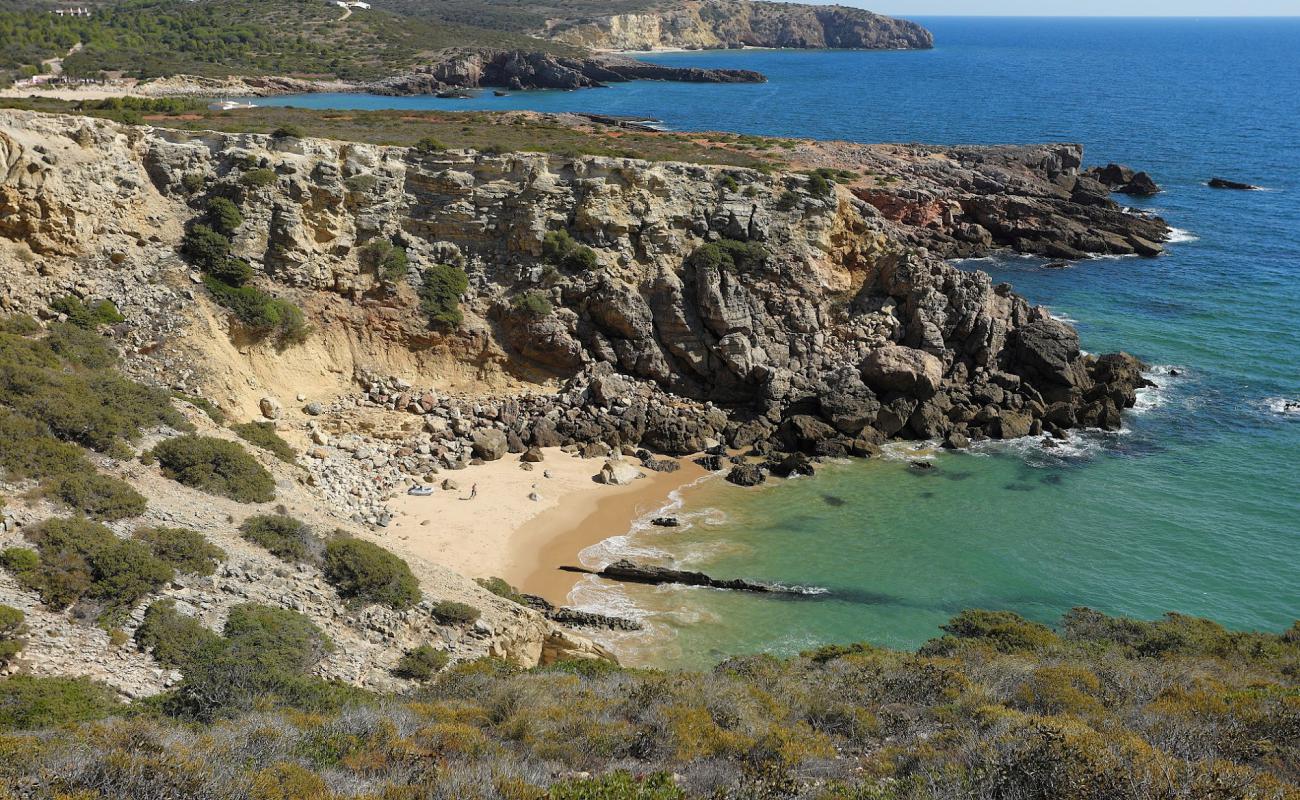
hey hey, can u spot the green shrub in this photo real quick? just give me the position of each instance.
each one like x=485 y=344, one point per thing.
x=261 y=313
x=263 y=435
x=787 y=201
x=19 y=324
x=88 y=316
x=620 y=786
x=206 y=248
x=176 y=640
x=389 y=261
x=449 y=612
x=563 y=251
x=83 y=560
x=215 y=466
x=186 y=550
x=729 y=255
x=193 y=182
x=361 y=184
x=100 y=497
x=29 y=703
x=80 y=346
x=287 y=132
x=11 y=633
x=500 y=588
x=728 y=182
x=365 y=571
x=819 y=185
x=285 y=537
x=20 y=560
x=275 y=639
x=421 y=663
x=534 y=304
x=205 y=405
x=428 y=144
x=26 y=451
x=440 y=293
x=1002 y=630
x=224 y=216
x=258 y=178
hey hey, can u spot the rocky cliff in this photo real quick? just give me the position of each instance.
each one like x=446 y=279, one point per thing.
x=780 y=312
x=521 y=69
x=710 y=24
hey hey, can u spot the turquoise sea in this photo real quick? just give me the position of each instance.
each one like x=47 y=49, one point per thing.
x=1194 y=507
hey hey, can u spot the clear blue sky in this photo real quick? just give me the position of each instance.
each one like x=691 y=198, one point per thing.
x=1083 y=8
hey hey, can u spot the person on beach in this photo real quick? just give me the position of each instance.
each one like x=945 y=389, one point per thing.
x=473 y=491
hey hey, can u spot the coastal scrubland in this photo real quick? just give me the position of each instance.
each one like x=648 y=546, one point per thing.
x=997 y=707
x=484 y=131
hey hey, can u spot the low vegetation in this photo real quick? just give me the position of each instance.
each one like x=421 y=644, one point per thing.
x=185 y=550
x=263 y=436
x=97 y=496
x=533 y=304
x=1000 y=708
x=440 y=292
x=501 y=588
x=367 y=573
x=389 y=261
x=729 y=255
x=285 y=537
x=561 y=250
x=77 y=561
x=421 y=663
x=12 y=630
x=215 y=466
x=450 y=612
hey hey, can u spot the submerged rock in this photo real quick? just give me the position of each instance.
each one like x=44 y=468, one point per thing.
x=1224 y=183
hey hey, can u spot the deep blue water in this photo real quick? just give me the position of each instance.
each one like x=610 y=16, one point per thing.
x=1197 y=506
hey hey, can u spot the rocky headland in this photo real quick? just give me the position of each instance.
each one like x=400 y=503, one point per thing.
x=712 y=309
x=714 y=24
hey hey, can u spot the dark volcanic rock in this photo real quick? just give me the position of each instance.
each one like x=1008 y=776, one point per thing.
x=630 y=572
x=588 y=619
x=457 y=70
x=793 y=464
x=746 y=475
x=1224 y=183
x=1118 y=178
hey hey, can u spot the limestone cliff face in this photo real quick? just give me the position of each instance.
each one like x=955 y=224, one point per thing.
x=711 y=24
x=844 y=322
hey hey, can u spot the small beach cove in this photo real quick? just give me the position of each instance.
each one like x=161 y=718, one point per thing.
x=1192 y=508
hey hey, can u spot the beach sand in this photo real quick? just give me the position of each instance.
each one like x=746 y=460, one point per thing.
x=502 y=533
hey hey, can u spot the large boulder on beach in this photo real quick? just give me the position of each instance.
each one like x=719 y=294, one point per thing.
x=618 y=473
x=902 y=369
x=1046 y=353
x=746 y=475
x=490 y=444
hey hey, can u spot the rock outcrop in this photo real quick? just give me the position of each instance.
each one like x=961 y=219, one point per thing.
x=841 y=335
x=712 y=24
x=521 y=69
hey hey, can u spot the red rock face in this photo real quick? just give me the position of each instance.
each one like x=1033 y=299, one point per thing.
x=922 y=214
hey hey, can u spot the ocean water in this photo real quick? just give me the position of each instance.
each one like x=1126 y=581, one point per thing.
x=1194 y=507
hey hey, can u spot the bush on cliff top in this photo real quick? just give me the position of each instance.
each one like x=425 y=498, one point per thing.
x=87 y=315
x=215 y=466
x=100 y=497
x=561 y=250
x=80 y=560
x=262 y=435
x=440 y=292
x=421 y=663
x=285 y=537
x=729 y=255
x=368 y=573
x=186 y=550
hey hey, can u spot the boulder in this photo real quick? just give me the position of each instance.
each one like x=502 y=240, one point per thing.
x=1224 y=183
x=746 y=475
x=533 y=455
x=793 y=464
x=490 y=444
x=1046 y=353
x=893 y=368
x=617 y=473
x=271 y=408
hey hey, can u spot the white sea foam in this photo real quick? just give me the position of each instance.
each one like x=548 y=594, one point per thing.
x=1068 y=320
x=1287 y=407
x=1167 y=378
x=1178 y=236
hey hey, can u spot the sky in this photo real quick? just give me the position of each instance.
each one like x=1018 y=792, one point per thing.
x=1084 y=8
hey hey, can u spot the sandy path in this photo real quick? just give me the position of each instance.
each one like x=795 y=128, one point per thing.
x=502 y=533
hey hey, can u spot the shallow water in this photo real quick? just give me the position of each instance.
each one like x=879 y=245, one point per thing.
x=1195 y=507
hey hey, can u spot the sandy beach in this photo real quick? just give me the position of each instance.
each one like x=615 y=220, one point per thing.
x=503 y=533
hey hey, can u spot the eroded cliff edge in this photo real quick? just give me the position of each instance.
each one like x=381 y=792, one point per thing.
x=844 y=320
x=713 y=24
